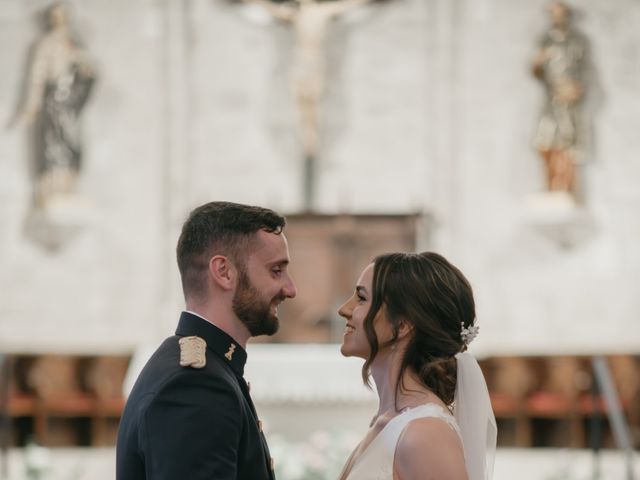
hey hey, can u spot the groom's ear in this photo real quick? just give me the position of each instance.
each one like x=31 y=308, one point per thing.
x=222 y=272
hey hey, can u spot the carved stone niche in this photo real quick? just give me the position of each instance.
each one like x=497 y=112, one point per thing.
x=328 y=254
x=558 y=217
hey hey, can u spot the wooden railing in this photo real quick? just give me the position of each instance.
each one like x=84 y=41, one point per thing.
x=551 y=401
x=538 y=400
x=65 y=399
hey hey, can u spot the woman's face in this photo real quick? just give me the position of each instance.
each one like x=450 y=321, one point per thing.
x=354 y=311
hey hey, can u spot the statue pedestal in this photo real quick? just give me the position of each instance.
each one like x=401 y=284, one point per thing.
x=58 y=221
x=71 y=210
x=559 y=217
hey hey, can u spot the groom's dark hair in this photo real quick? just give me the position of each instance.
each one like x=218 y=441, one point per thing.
x=219 y=228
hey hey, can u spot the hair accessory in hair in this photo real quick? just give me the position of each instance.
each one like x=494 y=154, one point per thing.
x=468 y=334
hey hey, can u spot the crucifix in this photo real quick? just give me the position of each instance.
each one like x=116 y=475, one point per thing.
x=310 y=20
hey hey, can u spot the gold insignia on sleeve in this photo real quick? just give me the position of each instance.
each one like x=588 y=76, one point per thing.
x=193 y=352
x=229 y=354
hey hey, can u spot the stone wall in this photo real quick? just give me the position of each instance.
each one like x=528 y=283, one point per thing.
x=429 y=107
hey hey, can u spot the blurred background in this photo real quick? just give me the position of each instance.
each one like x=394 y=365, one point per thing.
x=502 y=134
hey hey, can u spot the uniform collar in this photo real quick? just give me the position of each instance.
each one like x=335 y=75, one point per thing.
x=218 y=341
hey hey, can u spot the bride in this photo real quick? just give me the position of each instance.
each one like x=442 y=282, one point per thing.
x=411 y=318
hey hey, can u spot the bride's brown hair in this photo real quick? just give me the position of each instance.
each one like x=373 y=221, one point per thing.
x=434 y=298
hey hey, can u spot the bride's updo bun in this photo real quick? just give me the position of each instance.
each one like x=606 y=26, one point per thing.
x=435 y=299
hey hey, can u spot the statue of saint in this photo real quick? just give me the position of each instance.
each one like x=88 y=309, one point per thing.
x=60 y=80
x=561 y=65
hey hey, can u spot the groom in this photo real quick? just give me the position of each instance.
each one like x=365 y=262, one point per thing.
x=189 y=415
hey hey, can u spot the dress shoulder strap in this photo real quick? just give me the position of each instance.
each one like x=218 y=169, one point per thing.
x=376 y=462
x=392 y=433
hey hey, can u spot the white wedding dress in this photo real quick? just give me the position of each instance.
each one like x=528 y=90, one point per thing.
x=376 y=461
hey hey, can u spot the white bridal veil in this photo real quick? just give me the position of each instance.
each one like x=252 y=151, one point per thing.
x=474 y=415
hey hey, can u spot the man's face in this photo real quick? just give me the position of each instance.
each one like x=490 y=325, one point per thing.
x=57 y=16
x=263 y=284
x=559 y=14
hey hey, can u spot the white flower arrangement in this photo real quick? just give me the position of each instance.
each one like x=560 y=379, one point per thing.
x=320 y=458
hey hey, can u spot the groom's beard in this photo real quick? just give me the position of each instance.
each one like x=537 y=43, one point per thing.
x=253 y=310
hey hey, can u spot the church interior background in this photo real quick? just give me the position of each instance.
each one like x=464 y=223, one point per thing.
x=386 y=125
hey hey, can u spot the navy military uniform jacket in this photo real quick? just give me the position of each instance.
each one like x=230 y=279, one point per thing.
x=188 y=423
